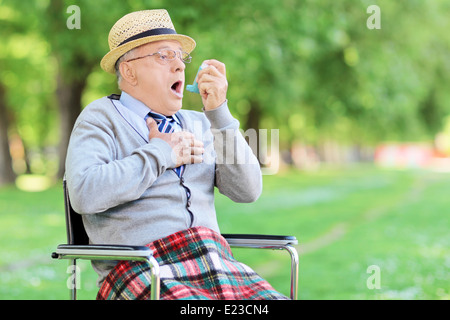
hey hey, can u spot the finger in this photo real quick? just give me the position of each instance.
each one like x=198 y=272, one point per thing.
x=207 y=78
x=152 y=127
x=181 y=137
x=207 y=87
x=150 y=122
x=186 y=135
x=188 y=139
x=220 y=66
x=196 y=159
x=197 y=143
x=197 y=151
x=209 y=73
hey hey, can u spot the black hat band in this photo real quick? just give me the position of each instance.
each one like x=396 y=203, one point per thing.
x=148 y=33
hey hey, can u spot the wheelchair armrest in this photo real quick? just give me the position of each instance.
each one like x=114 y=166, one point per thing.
x=270 y=242
x=102 y=252
x=259 y=241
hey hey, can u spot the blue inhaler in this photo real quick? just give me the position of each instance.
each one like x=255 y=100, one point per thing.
x=194 y=87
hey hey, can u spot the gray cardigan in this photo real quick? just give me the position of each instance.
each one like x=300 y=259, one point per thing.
x=125 y=189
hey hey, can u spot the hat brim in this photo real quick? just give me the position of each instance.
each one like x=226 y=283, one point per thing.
x=109 y=60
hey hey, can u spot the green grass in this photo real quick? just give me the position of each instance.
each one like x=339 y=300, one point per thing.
x=345 y=220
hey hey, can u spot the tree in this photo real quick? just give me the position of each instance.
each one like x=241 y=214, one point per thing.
x=77 y=53
x=7 y=174
x=310 y=68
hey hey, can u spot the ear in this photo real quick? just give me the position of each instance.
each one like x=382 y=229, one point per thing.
x=128 y=73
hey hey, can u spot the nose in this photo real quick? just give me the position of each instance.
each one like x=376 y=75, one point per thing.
x=178 y=64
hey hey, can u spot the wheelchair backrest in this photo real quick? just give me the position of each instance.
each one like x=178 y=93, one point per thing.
x=76 y=234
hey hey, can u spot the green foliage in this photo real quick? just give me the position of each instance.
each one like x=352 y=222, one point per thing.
x=310 y=68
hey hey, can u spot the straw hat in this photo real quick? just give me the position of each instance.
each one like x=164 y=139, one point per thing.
x=138 y=28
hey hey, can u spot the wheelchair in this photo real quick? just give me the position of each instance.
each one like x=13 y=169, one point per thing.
x=78 y=247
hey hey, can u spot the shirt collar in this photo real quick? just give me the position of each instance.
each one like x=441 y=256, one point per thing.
x=134 y=105
x=139 y=107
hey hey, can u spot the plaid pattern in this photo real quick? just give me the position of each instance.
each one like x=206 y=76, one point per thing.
x=196 y=263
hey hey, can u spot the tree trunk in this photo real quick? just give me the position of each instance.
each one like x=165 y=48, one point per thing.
x=69 y=100
x=252 y=124
x=7 y=174
x=254 y=116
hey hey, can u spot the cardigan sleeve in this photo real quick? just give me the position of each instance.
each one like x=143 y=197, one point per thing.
x=238 y=173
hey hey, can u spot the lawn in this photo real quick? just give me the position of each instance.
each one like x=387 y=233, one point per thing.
x=364 y=233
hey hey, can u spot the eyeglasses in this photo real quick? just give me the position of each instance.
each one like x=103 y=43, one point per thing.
x=166 y=55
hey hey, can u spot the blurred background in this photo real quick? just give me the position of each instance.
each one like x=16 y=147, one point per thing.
x=361 y=100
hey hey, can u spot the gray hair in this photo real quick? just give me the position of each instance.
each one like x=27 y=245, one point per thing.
x=123 y=58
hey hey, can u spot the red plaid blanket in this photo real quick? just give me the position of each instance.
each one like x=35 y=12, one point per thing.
x=196 y=263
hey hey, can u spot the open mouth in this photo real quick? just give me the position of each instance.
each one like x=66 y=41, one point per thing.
x=177 y=88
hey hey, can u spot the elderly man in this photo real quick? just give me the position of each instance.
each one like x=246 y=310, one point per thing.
x=141 y=171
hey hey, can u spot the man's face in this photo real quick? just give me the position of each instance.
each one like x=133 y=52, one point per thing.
x=160 y=84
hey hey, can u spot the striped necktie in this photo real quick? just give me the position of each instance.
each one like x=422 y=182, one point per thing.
x=165 y=126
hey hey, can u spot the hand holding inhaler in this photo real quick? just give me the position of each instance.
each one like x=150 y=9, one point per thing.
x=211 y=83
